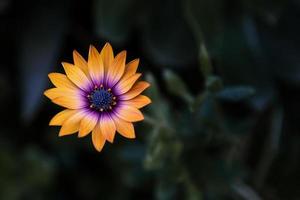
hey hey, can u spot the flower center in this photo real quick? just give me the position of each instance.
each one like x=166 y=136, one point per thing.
x=101 y=99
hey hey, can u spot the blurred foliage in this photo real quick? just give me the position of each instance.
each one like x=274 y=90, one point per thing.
x=24 y=175
x=41 y=38
x=224 y=118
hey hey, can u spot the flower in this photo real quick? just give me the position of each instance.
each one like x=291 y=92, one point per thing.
x=100 y=95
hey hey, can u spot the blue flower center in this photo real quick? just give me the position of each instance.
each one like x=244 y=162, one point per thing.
x=101 y=99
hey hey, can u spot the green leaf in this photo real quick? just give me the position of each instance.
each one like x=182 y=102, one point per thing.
x=158 y=108
x=208 y=112
x=206 y=66
x=199 y=100
x=153 y=91
x=176 y=86
x=236 y=93
x=214 y=83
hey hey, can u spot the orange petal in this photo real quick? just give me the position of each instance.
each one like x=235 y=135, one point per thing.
x=125 y=128
x=116 y=70
x=87 y=124
x=95 y=66
x=108 y=128
x=77 y=76
x=72 y=124
x=61 y=80
x=61 y=117
x=61 y=92
x=107 y=56
x=80 y=62
x=138 y=102
x=124 y=85
x=129 y=113
x=71 y=102
x=97 y=138
x=136 y=89
x=130 y=69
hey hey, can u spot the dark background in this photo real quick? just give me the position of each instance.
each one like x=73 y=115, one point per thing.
x=224 y=122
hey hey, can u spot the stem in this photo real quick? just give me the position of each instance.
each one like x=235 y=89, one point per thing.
x=270 y=149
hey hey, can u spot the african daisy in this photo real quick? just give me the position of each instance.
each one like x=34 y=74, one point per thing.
x=100 y=95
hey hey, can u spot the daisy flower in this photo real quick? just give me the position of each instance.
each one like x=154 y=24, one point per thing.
x=101 y=96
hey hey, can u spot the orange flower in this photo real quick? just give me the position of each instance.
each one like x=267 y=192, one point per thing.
x=100 y=95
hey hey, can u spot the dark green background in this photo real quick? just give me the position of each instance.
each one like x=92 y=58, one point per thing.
x=224 y=122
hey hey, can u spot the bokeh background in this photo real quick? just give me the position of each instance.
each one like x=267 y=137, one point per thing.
x=224 y=122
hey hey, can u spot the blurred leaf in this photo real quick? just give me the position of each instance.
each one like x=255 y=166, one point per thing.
x=24 y=175
x=199 y=100
x=241 y=57
x=153 y=152
x=193 y=193
x=159 y=108
x=153 y=91
x=163 y=149
x=166 y=191
x=245 y=191
x=205 y=63
x=213 y=83
x=270 y=148
x=234 y=43
x=236 y=93
x=40 y=41
x=207 y=113
x=176 y=86
x=113 y=19
x=208 y=17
